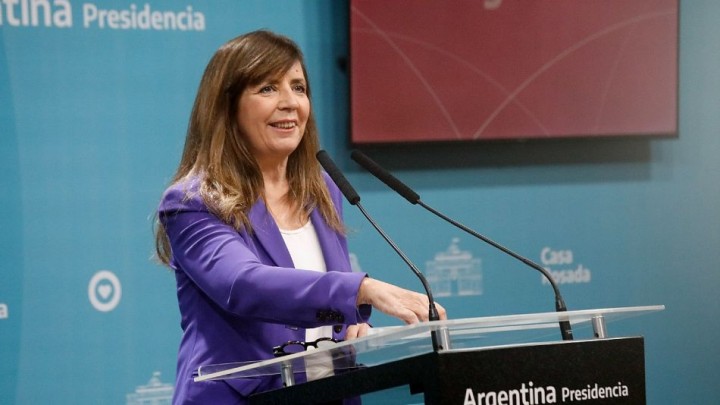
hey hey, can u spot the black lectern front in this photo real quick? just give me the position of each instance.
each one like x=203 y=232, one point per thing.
x=492 y=360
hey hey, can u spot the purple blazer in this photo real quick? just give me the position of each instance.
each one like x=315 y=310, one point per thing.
x=239 y=293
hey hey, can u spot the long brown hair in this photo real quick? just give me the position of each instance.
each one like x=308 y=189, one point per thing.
x=217 y=152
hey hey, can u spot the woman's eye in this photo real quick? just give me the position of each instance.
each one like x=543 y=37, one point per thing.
x=266 y=89
x=300 y=88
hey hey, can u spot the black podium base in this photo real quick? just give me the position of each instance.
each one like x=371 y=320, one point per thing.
x=604 y=371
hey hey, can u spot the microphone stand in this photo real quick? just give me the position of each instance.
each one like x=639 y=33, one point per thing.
x=565 y=328
x=412 y=197
x=440 y=336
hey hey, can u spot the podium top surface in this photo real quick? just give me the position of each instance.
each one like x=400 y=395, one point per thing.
x=387 y=344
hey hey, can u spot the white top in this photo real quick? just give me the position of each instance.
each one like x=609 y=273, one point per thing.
x=304 y=247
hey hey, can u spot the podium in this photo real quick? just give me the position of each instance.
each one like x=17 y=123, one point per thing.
x=512 y=359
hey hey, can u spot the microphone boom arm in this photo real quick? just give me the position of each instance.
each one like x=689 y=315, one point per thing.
x=560 y=305
x=565 y=328
x=440 y=336
x=412 y=197
x=433 y=315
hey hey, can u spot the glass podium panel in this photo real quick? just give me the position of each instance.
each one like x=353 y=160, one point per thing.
x=383 y=345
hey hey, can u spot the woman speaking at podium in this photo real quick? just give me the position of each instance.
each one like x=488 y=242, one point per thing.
x=252 y=227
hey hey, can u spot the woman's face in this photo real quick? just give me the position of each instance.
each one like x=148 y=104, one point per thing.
x=272 y=115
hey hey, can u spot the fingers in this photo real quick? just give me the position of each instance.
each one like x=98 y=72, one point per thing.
x=408 y=316
x=441 y=312
x=408 y=306
x=363 y=329
x=356 y=331
x=352 y=332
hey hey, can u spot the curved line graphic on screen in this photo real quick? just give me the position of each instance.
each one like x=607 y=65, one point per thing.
x=386 y=36
x=470 y=66
x=611 y=77
x=562 y=55
x=412 y=66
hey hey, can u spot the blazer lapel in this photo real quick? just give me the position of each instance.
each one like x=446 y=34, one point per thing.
x=329 y=243
x=267 y=234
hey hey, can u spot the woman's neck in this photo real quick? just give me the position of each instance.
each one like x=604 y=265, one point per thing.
x=286 y=212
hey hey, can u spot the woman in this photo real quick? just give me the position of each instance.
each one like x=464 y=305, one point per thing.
x=252 y=227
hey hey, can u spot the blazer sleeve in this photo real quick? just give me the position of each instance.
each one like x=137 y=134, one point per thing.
x=222 y=263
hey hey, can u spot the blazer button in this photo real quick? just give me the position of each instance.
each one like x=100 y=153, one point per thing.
x=337 y=328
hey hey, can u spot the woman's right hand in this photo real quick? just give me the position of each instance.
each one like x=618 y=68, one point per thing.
x=408 y=306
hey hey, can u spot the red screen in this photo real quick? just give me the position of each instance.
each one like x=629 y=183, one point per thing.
x=507 y=69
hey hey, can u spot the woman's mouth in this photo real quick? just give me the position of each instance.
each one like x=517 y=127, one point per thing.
x=284 y=124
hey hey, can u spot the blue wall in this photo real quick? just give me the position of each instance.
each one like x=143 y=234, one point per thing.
x=92 y=122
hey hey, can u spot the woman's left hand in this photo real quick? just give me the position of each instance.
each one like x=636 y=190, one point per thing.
x=356 y=331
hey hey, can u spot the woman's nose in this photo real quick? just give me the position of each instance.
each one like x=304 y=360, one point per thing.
x=288 y=99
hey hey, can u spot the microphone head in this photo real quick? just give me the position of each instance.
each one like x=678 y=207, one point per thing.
x=385 y=176
x=336 y=175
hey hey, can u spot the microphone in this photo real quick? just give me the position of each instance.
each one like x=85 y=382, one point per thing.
x=410 y=195
x=440 y=341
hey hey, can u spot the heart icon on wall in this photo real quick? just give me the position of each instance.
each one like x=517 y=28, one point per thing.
x=104 y=291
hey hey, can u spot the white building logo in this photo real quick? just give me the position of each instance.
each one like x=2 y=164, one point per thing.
x=154 y=393
x=454 y=272
x=104 y=291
